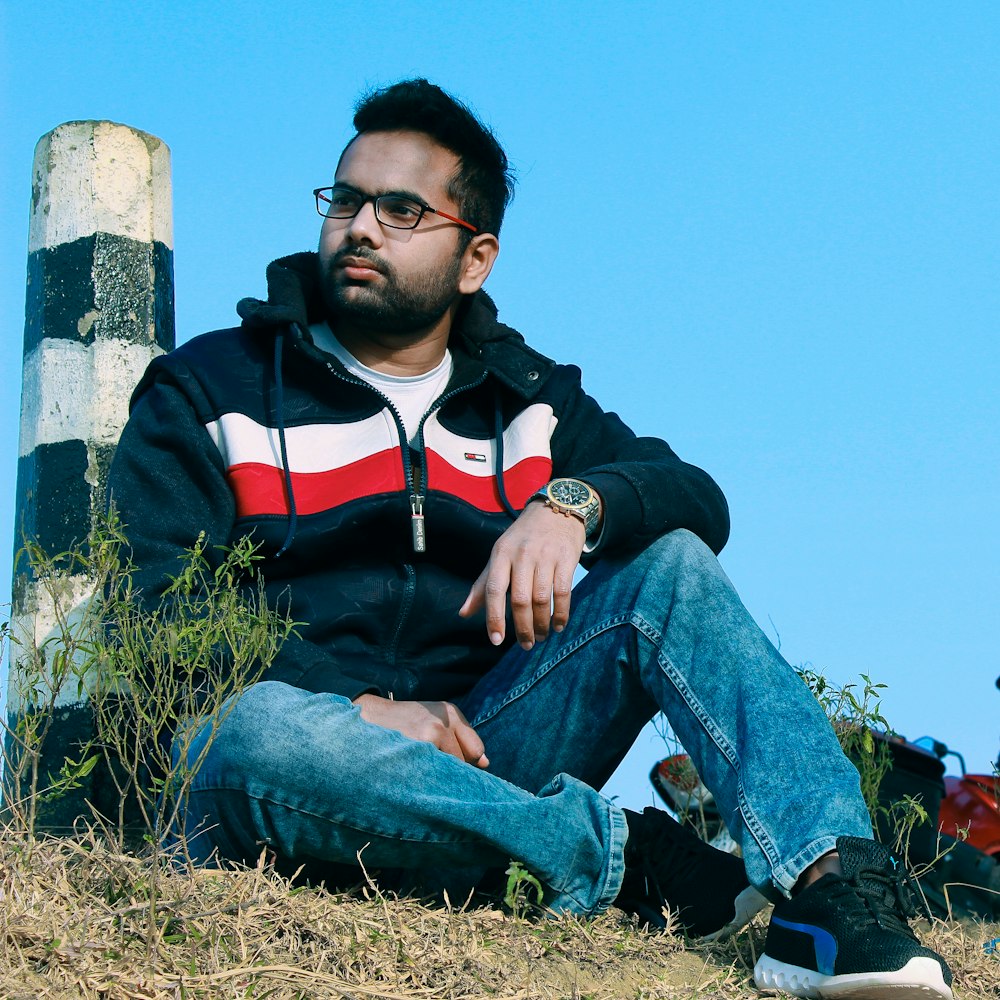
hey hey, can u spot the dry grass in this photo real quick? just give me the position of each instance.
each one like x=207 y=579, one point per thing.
x=75 y=922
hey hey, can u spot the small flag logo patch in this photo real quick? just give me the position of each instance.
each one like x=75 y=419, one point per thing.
x=471 y=456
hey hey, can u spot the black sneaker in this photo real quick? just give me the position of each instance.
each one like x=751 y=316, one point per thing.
x=848 y=936
x=668 y=866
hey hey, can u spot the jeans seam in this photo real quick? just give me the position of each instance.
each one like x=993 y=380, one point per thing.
x=271 y=800
x=546 y=665
x=615 y=870
x=749 y=816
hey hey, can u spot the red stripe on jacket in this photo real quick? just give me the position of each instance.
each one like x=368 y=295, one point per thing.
x=519 y=481
x=260 y=489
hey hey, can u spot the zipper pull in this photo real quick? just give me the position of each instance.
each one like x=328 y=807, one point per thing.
x=417 y=523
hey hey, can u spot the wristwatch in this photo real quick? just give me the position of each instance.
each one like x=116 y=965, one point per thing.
x=574 y=498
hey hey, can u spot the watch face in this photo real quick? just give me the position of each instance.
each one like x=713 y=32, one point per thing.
x=570 y=493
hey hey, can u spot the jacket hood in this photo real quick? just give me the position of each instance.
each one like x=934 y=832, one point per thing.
x=294 y=299
x=293 y=294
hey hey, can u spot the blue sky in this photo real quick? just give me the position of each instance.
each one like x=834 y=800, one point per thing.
x=766 y=232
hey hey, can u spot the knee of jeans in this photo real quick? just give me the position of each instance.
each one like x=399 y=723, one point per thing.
x=250 y=714
x=256 y=729
x=683 y=551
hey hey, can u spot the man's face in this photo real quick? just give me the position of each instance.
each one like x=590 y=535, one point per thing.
x=393 y=280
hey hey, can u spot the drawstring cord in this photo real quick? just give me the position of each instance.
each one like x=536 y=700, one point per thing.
x=498 y=428
x=293 y=516
x=279 y=393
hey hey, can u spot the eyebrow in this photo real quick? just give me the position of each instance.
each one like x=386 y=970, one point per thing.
x=396 y=193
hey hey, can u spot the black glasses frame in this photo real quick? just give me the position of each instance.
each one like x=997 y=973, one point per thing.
x=322 y=196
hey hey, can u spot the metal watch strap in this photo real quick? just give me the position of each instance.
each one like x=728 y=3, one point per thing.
x=588 y=514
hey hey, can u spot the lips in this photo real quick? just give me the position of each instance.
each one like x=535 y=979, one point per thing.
x=358 y=265
x=358 y=273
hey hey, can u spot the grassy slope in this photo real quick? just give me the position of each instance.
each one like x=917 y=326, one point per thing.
x=75 y=922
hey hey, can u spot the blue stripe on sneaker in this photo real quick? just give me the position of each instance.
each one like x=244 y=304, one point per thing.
x=824 y=943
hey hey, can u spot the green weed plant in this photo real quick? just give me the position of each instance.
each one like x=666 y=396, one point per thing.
x=855 y=713
x=142 y=666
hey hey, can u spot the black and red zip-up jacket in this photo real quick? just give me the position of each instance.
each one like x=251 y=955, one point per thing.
x=254 y=430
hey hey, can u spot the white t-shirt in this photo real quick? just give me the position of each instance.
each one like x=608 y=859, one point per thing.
x=411 y=395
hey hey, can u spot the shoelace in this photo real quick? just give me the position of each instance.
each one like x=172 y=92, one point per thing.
x=888 y=897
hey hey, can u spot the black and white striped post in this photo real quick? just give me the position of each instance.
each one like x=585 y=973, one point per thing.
x=99 y=307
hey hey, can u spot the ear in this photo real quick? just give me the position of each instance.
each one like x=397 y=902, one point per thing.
x=477 y=262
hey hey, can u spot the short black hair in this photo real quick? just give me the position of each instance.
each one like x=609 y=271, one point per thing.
x=484 y=183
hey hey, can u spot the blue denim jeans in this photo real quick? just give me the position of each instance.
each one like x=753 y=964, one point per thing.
x=664 y=629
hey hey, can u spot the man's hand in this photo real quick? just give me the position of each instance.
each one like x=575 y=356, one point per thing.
x=437 y=722
x=535 y=559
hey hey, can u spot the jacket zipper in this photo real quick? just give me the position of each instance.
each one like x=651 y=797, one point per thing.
x=416 y=498
x=412 y=475
x=418 y=519
x=418 y=491
x=404 y=612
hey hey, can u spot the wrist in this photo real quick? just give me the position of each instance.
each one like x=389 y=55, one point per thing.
x=574 y=498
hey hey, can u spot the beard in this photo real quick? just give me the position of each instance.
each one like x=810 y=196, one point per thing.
x=395 y=306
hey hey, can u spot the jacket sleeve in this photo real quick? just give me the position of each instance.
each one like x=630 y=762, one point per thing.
x=168 y=485
x=645 y=488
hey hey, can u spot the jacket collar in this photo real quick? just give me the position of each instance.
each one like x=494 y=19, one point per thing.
x=294 y=300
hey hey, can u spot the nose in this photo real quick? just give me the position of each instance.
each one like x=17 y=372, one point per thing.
x=364 y=228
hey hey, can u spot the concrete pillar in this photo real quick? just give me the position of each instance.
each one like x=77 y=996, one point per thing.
x=99 y=308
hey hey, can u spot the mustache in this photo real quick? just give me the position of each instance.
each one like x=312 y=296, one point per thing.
x=361 y=253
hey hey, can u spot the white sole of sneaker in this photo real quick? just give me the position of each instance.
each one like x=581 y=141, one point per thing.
x=748 y=904
x=919 y=979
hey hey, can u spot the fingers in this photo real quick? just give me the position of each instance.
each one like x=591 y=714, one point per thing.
x=454 y=735
x=436 y=722
x=490 y=589
x=550 y=596
x=473 y=750
x=562 y=590
x=542 y=581
x=523 y=595
x=498 y=579
x=527 y=574
x=534 y=561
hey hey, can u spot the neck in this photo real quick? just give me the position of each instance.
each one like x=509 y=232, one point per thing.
x=394 y=354
x=397 y=353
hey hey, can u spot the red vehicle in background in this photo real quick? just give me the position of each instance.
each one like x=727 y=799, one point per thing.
x=970 y=809
x=971 y=804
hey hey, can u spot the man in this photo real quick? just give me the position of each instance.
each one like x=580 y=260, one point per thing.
x=423 y=485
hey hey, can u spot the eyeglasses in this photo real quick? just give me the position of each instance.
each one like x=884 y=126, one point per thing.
x=391 y=210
